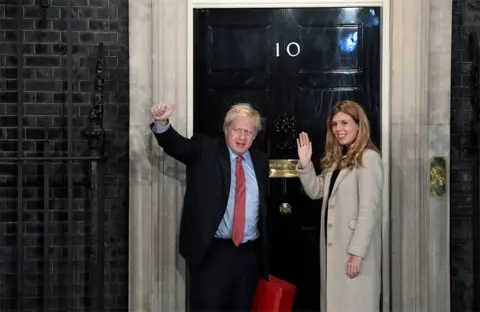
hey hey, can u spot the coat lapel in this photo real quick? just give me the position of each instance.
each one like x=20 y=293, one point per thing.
x=341 y=176
x=328 y=179
x=225 y=166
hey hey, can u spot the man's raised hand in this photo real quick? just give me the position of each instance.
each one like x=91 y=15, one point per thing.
x=161 y=112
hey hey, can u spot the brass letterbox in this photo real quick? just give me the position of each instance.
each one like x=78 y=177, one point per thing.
x=283 y=168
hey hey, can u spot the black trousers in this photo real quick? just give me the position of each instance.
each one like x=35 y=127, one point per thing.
x=227 y=278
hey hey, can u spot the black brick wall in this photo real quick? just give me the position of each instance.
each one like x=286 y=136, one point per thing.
x=45 y=120
x=466 y=18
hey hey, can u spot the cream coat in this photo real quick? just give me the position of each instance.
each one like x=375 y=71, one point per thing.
x=353 y=227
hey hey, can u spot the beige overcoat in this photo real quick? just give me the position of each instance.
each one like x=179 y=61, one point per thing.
x=353 y=227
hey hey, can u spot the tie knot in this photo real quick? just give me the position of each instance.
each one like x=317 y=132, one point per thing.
x=239 y=158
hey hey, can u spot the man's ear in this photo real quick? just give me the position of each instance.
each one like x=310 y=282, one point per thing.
x=256 y=134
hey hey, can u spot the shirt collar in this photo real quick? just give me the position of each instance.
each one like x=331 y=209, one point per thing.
x=233 y=156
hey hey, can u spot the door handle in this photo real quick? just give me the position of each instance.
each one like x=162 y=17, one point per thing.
x=285 y=209
x=288 y=49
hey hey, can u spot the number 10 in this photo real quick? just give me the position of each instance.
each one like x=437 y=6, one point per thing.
x=288 y=49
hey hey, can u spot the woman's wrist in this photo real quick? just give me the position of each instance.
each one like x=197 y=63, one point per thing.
x=303 y=166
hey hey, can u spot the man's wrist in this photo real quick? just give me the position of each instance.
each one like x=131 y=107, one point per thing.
x=162 y=123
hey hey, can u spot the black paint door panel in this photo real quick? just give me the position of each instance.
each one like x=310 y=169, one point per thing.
x=292 y=65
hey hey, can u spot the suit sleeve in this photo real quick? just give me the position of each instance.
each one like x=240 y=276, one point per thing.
x=157 y=128
x=312 y=184
x=370 y=183
x=182 y=149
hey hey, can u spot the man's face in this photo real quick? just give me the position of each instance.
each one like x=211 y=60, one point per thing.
x=240 y=134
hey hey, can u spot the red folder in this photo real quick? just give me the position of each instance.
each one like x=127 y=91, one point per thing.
x=275 y=295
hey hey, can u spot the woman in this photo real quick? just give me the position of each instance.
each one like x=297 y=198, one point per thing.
x=350 y=185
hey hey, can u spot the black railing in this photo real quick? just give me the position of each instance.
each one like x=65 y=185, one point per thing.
x=48 y=158
x=96 y=142
x=474 y=150
x=20 y=156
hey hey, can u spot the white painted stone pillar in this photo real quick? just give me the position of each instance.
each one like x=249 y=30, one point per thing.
x=438 y=144
x=420 y=128
x=158 y=54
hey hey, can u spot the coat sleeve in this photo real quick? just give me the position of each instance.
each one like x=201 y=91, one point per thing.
x=312 y=184
x=370 y=183
x=182 y=149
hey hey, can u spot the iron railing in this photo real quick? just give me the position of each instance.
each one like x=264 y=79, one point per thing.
x=95 y=160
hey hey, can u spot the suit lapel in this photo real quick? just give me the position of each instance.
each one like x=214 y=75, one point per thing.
x=262 y=192
x=258 y=172
x=225 y=166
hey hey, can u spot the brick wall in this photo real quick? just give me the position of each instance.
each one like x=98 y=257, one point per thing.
x=44 y=89
x=466 y=18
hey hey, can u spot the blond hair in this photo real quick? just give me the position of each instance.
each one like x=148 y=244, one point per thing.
x=243 y=110
x=333 y=150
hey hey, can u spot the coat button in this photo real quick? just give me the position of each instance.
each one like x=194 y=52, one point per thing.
x=329 y=244
x=330 y=225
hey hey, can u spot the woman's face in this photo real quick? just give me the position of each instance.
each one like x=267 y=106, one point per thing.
x=344 y=128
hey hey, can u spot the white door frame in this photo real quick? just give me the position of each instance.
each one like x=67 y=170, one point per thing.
x=385 y=102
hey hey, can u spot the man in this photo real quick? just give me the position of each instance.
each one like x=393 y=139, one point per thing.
x=223 y=226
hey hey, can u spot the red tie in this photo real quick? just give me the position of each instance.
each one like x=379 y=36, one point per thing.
x=239 y=213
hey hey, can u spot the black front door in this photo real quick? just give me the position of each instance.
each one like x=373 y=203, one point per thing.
x=292 y=65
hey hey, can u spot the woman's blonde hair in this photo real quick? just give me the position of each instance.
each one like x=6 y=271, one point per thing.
x=243 y=110
x=333 y=149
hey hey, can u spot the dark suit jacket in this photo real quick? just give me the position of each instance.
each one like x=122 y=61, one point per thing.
x=208 y=183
